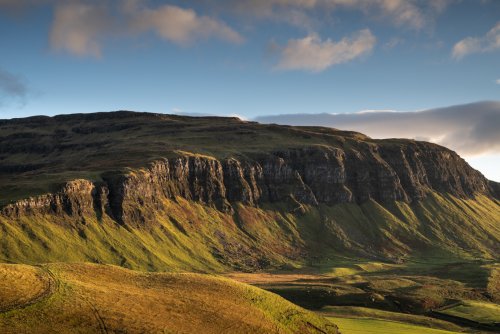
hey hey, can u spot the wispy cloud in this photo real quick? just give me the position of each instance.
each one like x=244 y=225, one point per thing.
x=12 y=88
x=470 y=129
x=312 y=54
x=415 y=14
x=80 y=27
x=470 y=45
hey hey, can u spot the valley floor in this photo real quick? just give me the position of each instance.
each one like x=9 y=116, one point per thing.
x=420 y=296
x=377 y=326
x=424 y=297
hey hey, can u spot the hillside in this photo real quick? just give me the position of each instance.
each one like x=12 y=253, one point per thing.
x=85 y=298
x=163 y=192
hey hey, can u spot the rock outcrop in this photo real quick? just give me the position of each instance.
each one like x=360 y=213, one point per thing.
x=309 y=175
x=75 y=198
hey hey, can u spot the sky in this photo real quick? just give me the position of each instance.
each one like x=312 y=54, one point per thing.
x=420 y=69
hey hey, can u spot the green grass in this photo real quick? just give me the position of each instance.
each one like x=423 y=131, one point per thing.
x=375 y=314
x=375 y=326
x=482 y=312
x=186 y=235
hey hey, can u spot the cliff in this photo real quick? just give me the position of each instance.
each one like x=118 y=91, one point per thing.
x=244 y=195
x=310 y=175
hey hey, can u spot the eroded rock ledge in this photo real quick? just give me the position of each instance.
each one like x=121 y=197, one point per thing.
x=310 y=175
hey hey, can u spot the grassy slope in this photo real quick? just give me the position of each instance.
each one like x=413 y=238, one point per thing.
x=482 y=312
x=437 y=227
x=370 y=313
x=190 y=236
x=85 y=298
x=414 y=288
x=376 y=326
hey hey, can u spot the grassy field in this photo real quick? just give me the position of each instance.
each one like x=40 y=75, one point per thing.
x=375 y=326
x=86 y=298
x=481 y=312
x=399 y=293
x=374 y=314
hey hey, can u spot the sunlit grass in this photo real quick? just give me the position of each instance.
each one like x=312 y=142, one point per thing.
x=89 y=298
x=375 y=326
x=482 y=312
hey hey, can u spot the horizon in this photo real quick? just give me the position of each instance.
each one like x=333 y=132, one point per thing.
x=258 y=59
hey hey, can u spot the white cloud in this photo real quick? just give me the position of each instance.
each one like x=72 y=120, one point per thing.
x=498 y=81
x=182 y=25
x=312 y=54
x=80 y=27
x=486 y=43
x=241 y=117
x=77 y=27
x=470 y=129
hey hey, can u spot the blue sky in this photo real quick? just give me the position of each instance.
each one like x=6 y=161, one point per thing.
x=250 y=57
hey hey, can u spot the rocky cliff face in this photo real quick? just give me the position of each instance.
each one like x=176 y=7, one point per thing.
x=309 y=175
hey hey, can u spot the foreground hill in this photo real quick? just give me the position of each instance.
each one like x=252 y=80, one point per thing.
x=156 y=192
x=85 y=298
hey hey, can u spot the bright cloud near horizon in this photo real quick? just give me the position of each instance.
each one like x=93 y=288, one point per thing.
x=256 y=58
x=472 y=130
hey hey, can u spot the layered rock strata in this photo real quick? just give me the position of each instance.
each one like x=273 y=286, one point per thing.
x=309 y=175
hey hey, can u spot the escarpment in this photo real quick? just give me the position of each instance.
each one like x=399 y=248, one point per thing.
x=161 y=192
x=309 y=175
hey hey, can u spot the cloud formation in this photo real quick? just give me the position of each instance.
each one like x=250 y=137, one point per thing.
x=312 y=54
x=80 y=27
x=470 y=45
x=182 y=26
x=470 y=129
x=12 y=88
x=415 y=14
x=77 y=28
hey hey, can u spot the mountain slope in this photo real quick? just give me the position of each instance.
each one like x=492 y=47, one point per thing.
x=85 y=298
x=157 y=192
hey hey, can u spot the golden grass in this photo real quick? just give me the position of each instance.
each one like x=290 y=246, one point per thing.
x=21 y=285
x=97 y=298
x=269 y=278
